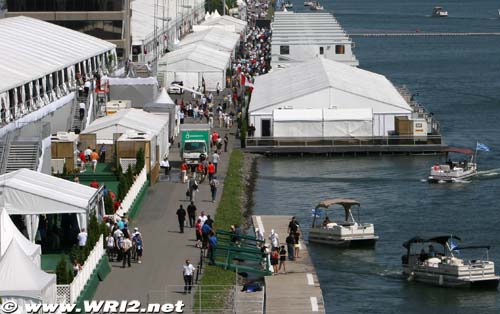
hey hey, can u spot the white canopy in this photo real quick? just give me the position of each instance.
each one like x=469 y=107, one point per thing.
x=196 y=58
x=21 y=279
x=323 y=83
x=215 y=37
x=30 y=192
x=164 y=98
x=298 y=123
x=238 y=24
x=32 y=48
x=347 y=122
x=9 y=233
x=123 y=121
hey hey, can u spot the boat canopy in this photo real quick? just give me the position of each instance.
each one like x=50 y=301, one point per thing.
x=347 y=203
x=436 y=238
x=470 y=247
x=459 y=150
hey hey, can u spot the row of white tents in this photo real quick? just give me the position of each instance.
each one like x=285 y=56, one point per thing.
x=205 y=54
x=30 y=193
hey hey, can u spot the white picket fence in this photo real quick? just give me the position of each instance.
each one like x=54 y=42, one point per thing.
x=75 y=288
x=133 y=192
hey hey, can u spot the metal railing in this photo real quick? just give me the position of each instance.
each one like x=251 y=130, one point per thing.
x=344 y=141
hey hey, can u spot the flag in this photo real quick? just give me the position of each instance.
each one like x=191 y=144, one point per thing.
x=483 y=147
x=454 y=246
x=316 y=212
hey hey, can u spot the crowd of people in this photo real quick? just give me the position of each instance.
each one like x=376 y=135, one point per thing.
x=90 y=157
x=121 y=244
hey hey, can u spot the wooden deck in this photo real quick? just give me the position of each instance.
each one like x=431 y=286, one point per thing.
x=297 y=290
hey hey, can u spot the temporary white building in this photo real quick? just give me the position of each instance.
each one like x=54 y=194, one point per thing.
x=194 y=63
x=24 y=282
x=215 y=38
x=323 y=84
x=299 y=37
x=130 y=120
x=226 y=20
x=10 y=233
x=40 y=60
x=347 y=122
x=31 y=193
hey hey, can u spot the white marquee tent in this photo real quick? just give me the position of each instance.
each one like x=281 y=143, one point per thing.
x=193 y=63
x=347 y=122
x=322 y=84
x=130 y=120
x=22 y=281
x=164 y=107
x=215 y=38
x=298 y=122
x=9 y=233
x=226 y=20
x=31 y=193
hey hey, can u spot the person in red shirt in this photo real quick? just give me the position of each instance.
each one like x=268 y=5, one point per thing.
x=211 y=171
x=215 y=137
x=83 y=160
x=184 y=168
x=117 y=205
x=94 y=184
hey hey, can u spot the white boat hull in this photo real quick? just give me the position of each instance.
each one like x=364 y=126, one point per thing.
x=442 y=174
x=356 y=235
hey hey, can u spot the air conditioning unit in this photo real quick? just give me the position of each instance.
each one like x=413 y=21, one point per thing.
x=288 y=107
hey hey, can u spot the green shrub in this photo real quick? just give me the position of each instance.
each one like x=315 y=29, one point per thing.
x=62 y=272
x=140 y=161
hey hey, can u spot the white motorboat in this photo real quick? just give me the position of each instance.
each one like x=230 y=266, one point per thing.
x=444 y=268
x=308 y=3
x=288 y=5
x=347 y=233
x=316 y=6
x=439 y=12
x=454 y=171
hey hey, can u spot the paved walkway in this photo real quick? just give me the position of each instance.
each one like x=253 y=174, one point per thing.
x=298 y=290
x=159 y=278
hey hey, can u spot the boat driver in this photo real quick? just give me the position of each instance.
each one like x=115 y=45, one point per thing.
x=432 y=252
x=326 y=222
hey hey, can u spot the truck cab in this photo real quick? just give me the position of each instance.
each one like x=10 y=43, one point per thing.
x=194 y=142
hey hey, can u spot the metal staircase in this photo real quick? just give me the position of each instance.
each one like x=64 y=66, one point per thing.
x=22 y=154
x=76 y=123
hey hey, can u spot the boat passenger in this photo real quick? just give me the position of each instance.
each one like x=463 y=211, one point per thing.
x=423 y=256
x=432 y=252
x=326 y=222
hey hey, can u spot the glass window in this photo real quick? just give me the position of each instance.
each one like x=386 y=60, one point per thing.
x=339 y=49
x=321 y=50
x=284 y=50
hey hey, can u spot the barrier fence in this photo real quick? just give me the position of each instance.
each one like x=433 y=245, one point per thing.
x=134 y=191
x=70 y=293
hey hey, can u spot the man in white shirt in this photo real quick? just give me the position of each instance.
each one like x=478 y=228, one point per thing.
x=165 y=165
x=87 y=152
x=215 y=160
x=86 y=87
x=82 y=238
x=187 y=272
x=202 y=217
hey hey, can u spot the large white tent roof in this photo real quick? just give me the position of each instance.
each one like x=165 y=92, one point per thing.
x=216 y=37
x=196 y=58
x=278 y=87
x=133 y=119
x=10 y=233
x=30 y=192
x=239 y=25
x=32 y=48
x=20 y=277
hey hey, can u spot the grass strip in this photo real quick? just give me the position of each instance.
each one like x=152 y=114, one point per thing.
x=216 y=282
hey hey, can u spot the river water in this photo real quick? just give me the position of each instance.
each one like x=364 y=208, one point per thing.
x=456 y=78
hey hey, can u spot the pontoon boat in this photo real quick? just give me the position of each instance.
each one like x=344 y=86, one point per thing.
x=308 y=3
x=316 y=6
x=439 y=12
x=444 y=268
x=349 y=232
x=288 y=5
x=453 y=171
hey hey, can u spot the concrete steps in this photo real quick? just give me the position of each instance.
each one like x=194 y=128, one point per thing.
x=22 y=155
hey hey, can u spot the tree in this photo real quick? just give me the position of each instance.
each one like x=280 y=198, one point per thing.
x=108 y=205
x=139 y=162
x=62 y=271
x=130 y=176
x=123 y=187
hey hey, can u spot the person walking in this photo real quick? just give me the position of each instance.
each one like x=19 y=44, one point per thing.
x=211 y=171
x=126 y=246
x=205 y=234
x=139 y=247
x=187 y=272
x=82 y=238
x=165 y=165
x=290 y=243
x=181 y=216
x=191 y=209
x=82 y=110
x=274 y=238
x=192 y=188
x=215 y=160
x=110 y=246
x=212 y=245
x=226 y=141
x=296 y=245
x=217 y=88
x=213 y=189
x=102 y=153
x=184 y=168
x=199 y=234
x=94 y=157
x=282 y=258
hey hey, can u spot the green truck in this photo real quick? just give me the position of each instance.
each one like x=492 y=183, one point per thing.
x=194 y=142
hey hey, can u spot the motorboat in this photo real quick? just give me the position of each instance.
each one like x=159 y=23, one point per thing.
x=444 y=268
x=454 y=171
x=346 y=233
x=308 y=3
x=316 y=6
x=288 y=5
x=439 y=12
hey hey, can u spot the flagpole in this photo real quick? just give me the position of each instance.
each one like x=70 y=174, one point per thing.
x=475 y=155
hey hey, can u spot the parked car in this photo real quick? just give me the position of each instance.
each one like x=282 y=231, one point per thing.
x=175 y=89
